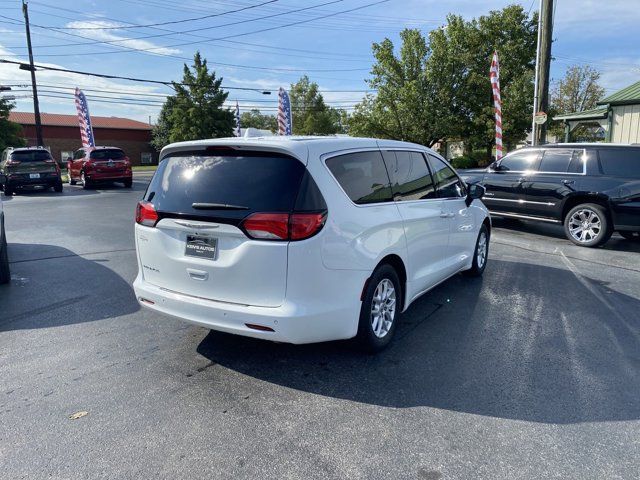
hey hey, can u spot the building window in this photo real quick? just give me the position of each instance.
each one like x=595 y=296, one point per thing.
x=146 y=158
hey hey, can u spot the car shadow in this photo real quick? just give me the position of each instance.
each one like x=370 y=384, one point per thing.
x=527 y=342
x=52 y=286
x=524 y=227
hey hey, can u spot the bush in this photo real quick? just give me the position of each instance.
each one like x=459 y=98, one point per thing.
x=464 y=162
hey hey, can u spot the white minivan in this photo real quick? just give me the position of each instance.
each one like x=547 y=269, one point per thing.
x=303 y=239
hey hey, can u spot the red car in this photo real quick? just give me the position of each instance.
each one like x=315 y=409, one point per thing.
x=91 y=165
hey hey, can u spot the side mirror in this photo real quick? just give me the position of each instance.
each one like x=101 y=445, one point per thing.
x=474 y=192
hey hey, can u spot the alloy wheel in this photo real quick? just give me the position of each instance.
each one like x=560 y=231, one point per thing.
x=482 y=250
x=585 y=225
x=383 y=308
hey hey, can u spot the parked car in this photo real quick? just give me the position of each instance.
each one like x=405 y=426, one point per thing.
x=29 y=167
x=593 y=189
x=92 y=165
x=5 y=274
x=303 y=239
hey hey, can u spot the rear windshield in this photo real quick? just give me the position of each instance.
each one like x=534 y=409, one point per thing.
x=107 y=154
x=31 y=156
x=620 y=162
x=252 y=181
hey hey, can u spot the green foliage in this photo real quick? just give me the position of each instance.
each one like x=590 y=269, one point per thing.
x=195 y=111
x=311 y=116
x=461 y=55
x=406 y=106
x=10 y=132
x=579 y=90
x=464 y=162
x=255 y=119
x=440 y=89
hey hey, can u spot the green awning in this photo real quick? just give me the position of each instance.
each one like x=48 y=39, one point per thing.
x=626 y=96
x=593 y=114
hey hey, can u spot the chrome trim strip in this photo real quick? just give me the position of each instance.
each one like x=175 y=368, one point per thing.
x=520 y=201
x=526 y=217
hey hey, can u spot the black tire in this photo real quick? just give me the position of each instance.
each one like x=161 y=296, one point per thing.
x=128 y=183
x=5 y=274
x=86 y=184
x=71 y=180
x=628 y=235
x=58 y=187
x=366 y=337
x=592 y=214
x=479 y=260
x=8 y=191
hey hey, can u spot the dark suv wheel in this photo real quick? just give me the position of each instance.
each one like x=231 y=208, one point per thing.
x=588 y=225
x=380 y=309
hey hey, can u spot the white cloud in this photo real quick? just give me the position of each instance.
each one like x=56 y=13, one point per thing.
x=110 y=36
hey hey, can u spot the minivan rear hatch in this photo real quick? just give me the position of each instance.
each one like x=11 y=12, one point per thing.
x=198 y=246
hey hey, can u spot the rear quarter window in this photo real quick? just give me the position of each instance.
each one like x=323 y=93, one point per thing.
x=362 y=175
x=620 y=162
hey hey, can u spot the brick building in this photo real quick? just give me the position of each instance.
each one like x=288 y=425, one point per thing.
x=61 y=135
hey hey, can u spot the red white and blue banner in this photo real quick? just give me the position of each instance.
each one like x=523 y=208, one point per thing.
x=494 y=75
x=284 y=113
x=84 y=120
x=236 y=130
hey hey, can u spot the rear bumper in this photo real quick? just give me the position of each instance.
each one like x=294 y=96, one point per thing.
x=108 y=176
x=291 y=323
x=19 y=182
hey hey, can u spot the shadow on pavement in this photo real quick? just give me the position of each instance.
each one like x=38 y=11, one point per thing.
x=527 y=342
x=52 y=286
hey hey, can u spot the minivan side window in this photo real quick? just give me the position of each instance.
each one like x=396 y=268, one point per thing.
x=620 y=162
x=409 y=174
x=362 y=175
x=556 y=160
x=448 y=183
x=520 y=161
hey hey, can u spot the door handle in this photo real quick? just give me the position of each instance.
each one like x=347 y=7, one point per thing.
x=447 y=215
x=522 y=179
x=568 y=182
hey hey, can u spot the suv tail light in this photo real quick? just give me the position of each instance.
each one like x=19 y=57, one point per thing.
x=283 y=226
x=146 y=214
x=13 y=162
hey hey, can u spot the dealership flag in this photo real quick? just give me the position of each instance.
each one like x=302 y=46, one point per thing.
x=284 y=113
x=497 y=102
x=236 y=130
x=84 y=120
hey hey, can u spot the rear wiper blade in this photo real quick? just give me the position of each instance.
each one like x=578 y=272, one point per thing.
x=217 y=206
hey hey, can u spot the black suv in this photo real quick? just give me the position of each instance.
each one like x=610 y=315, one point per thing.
x=29 y=167
x=593 y=189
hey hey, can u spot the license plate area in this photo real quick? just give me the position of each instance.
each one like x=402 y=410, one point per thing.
x=201 y=247
x=34 y=175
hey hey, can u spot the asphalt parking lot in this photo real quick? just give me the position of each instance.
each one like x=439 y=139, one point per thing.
x=532 y=371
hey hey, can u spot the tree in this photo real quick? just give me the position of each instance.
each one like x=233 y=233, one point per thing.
x=10 y=132
x=255 y=119
x=195 y=111
x=579 y=90
x=459 y=65
x=406 y=106
x=311 y=116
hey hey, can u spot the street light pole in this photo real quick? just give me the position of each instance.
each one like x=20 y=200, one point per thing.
x=36 y=106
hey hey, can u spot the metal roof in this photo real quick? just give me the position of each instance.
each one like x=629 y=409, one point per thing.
x=594 y=113
x=59 y=120
x=630 y=94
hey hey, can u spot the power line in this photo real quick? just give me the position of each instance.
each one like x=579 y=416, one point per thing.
x=172 y=22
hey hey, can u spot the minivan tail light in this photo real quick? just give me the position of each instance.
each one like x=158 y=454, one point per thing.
x=146 y=214
x=283 y=226
x=267 y=226
x=305 y=225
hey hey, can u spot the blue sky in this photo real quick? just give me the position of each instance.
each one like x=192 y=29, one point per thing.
x=263 y=53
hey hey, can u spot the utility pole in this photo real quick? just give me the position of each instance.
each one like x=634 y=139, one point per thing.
x=543 y=65
x=32 y=69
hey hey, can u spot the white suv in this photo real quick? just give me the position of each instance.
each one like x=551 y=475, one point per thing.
x=303 y=239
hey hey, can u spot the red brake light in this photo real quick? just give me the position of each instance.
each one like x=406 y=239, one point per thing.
x=305 y=225
x=282 y=226
x=267 y=226
x=13 y=162
x=146 y=214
